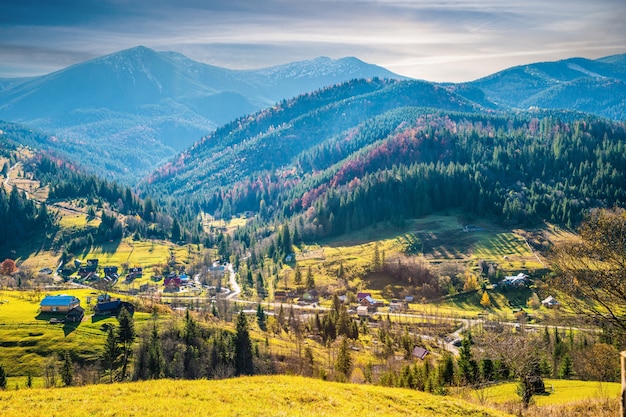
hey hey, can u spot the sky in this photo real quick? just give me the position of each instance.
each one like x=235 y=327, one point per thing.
x=445 y=40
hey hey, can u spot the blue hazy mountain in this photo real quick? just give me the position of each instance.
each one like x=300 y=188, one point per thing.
x=123 y=113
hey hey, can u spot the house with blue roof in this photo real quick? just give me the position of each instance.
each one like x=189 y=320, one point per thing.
x=58 y=303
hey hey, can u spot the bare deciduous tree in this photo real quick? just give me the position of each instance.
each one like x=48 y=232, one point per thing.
x=591 y=270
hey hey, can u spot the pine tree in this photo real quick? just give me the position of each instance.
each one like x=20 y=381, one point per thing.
x=297 y=279
x=67 y=370
x=260 y=317
x=310 y=281
x=343 y=364
x=111 y=352
x=126 y=336
x=567 y=367
x=243 y=348
x=156 y=362
x=176 y=233
x=287 y=246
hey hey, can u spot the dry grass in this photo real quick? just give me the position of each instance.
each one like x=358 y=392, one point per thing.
x=246 y=396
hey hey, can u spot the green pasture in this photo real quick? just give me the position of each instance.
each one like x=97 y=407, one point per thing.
x=559 y=391
x=27 y=338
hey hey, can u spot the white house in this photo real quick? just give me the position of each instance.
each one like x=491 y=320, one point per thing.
x=550 y=302
x=518 y=280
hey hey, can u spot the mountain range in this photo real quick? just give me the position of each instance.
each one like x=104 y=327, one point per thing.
x=124 y=114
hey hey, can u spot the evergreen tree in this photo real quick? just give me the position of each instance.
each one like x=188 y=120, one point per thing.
x=343 y=364
x=67 y=370
x=567 y=367
x=297 y=279
x=156 y=363
x=310 y=281
x=468 y=368
x=243 y=348
x=260 y=317
x=126 y=336
x=176 y=233
x=111 y=352
x=287 y=245
x=447 y=369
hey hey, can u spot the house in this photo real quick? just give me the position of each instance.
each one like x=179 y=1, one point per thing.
x=419 y=352
x=172 y=283
x=551 y=302
x=362 y=311
x=371 y=303
x=106 y=306
x=361 y=296
x=109 y=270
x=518 y=280
x=396 y=305
x=408 y=299
x=92 y=265
x=75 y=315
x=136 y=272
x=58 y=303
x=280 y=296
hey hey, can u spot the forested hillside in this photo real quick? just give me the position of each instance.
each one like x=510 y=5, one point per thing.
x=353 y=155
x=30 y=213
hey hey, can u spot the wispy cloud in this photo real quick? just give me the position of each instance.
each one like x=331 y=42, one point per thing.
x=449 y=40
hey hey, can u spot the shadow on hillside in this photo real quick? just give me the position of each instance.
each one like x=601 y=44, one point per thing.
x=99 y=317
x=47 y=316
x=69 y=327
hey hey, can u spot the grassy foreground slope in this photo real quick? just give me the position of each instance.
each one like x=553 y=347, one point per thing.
x=247 y=396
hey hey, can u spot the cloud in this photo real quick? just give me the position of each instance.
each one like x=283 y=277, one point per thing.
x=449 y=40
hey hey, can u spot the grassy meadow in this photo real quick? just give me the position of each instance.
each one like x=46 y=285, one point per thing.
x=559 y=391
x=28 y=338
x=245 y=396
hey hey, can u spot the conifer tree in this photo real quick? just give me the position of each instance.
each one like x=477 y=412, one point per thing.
x=126 y=336
x=244 y=364
x=156 y=362
x=67 y=370
x=310 y=281
x=343 y=365
x=111 y=352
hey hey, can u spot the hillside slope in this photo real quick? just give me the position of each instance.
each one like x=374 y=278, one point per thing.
x=246 y=396
x=123 y=113
x=593 y=86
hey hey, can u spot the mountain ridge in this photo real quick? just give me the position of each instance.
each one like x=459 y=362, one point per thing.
x=154 y=103
x=125 y=114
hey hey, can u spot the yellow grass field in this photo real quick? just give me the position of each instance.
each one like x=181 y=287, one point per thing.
x=559 y=392
x=245 y=396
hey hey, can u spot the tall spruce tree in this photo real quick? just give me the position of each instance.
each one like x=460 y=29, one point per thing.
x=126 y=335
x=244 y=364
x=67 y=370
x=156 y=363
x=111 y=352
x=343 y=365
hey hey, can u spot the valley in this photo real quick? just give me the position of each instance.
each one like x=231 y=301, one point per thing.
x=373 y=231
